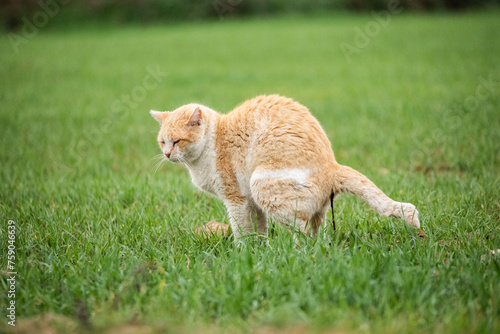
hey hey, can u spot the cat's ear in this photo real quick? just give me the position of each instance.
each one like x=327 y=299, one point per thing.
x=159 y=115
x=196 y=118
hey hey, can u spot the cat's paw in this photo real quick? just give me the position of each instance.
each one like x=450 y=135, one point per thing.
x=410 y=214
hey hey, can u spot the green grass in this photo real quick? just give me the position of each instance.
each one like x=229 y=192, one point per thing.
x=106 y=241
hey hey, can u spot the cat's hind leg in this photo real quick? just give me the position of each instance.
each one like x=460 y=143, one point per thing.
x=317 y=221
x=286 y=197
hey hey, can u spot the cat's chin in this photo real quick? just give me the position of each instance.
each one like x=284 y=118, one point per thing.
x=174 y=160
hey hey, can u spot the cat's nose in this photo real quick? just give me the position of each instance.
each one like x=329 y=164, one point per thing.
x=167 y=154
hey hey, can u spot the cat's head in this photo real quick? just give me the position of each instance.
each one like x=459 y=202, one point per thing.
x=182 y=134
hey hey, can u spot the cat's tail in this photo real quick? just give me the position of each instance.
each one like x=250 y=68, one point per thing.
x=348 y=180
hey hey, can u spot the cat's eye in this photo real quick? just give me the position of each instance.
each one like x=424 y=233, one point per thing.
x=176 y=142
x=162 y=142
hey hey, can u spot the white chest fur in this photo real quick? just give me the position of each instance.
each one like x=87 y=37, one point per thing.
x=207 y=179
x=204 y=173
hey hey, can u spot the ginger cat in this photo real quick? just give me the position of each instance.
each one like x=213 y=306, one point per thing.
x=268 y=158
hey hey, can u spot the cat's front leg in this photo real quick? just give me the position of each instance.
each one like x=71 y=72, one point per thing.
x=245 y=218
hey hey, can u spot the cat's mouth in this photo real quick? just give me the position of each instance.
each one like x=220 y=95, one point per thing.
x=173 y=159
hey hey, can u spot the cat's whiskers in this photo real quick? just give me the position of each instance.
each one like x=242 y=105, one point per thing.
x=159 y=160
x=156 y=162
x=185 y=162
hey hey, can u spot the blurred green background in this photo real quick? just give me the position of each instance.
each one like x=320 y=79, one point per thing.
x=151 y=11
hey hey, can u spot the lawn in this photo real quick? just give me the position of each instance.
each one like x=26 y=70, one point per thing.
x=104 y=240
